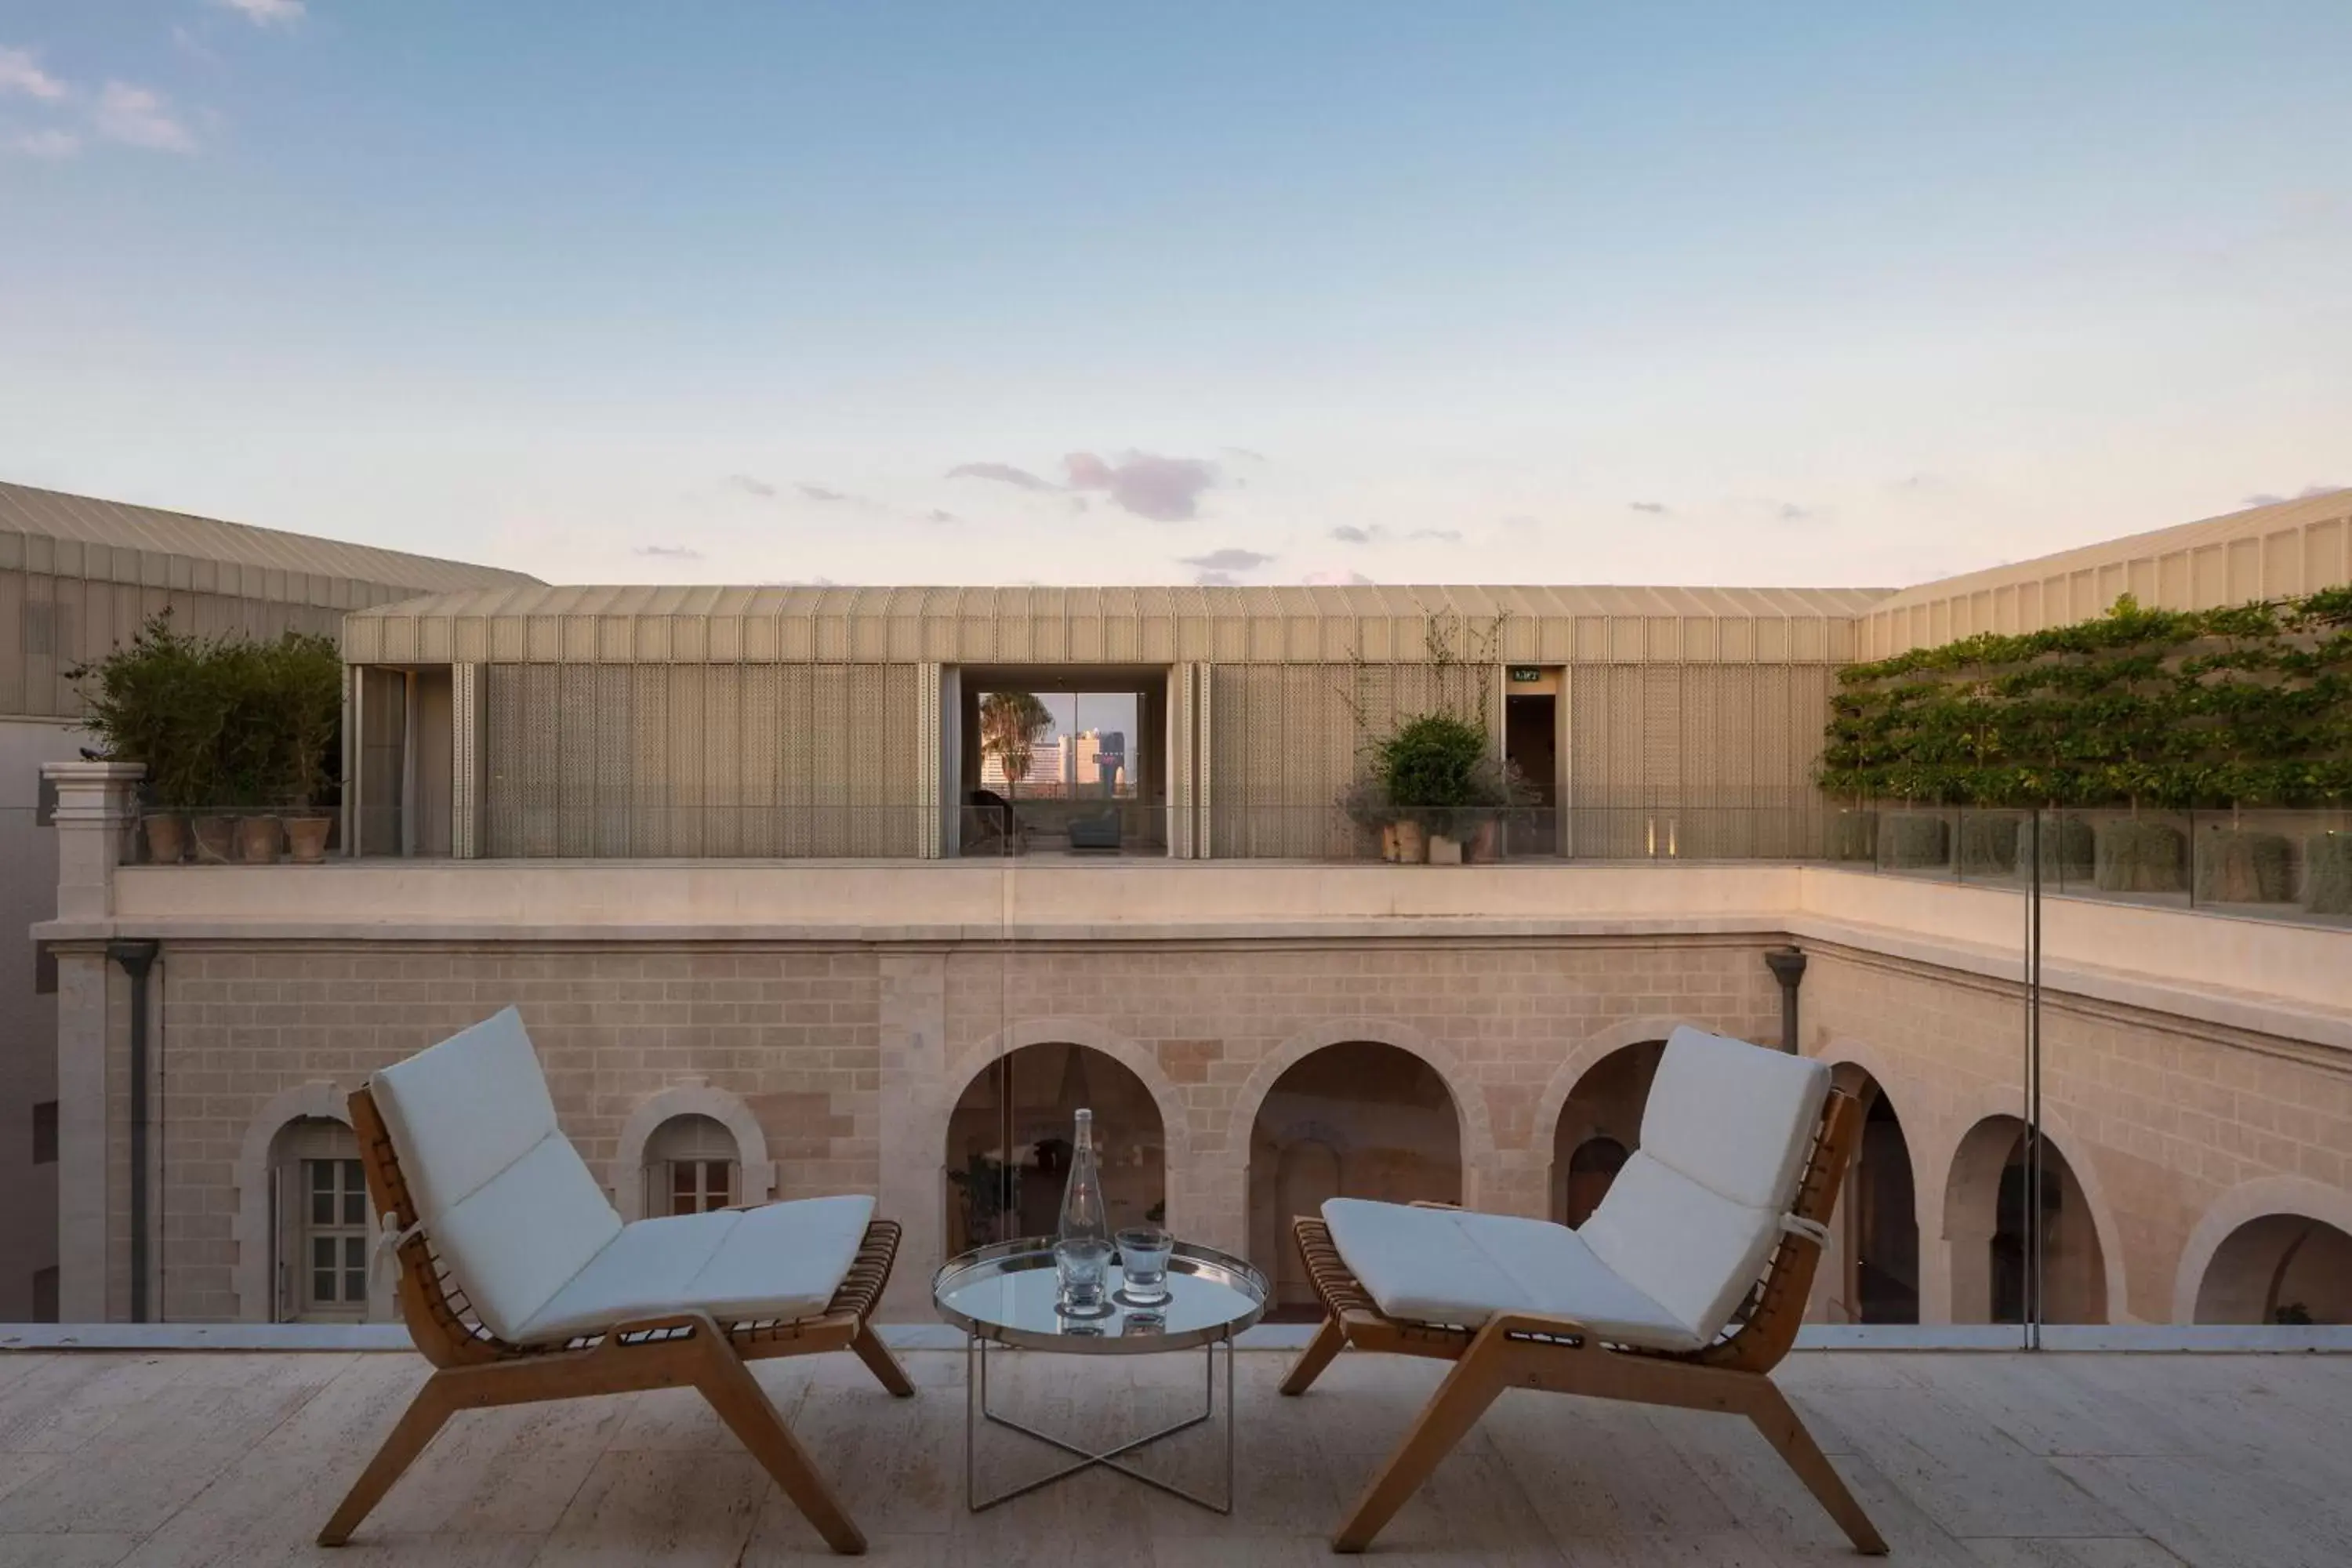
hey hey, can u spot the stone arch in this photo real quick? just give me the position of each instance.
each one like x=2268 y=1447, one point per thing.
x=1182 y=1181
x=624 y=1176
x=318 y=1101
x=1874 y=1269
x=1969 y=1195
x=1349 y=1107
x=1469 y=1104
x=1585 y=1055
x=1544 y=1156
x=1175 y=1127
x=2242 y=1206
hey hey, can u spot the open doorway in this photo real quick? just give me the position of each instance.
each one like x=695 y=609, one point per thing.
x=1531 y=745
x=1059 y=759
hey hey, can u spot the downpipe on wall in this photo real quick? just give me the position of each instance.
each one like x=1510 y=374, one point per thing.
x=138 y=961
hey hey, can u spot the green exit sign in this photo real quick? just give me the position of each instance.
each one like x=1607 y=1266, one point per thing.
x=1526 y=672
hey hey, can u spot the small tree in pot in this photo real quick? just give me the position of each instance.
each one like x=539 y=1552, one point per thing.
x=156 y=703
x=1430 y=768
x=305 y=681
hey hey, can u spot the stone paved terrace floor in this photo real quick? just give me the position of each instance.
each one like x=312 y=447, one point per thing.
x=2095 y=1461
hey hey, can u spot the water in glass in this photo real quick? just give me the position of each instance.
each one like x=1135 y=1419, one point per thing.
x=1143 y=1252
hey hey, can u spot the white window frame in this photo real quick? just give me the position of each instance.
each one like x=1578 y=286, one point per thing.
x=696 y=1147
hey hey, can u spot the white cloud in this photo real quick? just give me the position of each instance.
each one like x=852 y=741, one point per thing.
x=137 y=116
x=266 y=12
x=20 y=72
x=44 y=144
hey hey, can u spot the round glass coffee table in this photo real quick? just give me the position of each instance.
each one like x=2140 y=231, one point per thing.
x=1009 y=1295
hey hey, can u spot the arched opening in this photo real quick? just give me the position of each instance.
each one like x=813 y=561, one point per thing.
x=1359 y=1119
x=2280 y=1269
x=1599 y=1126
x=1878 y=1216
x=320 y=1223
x=1593 y=1165
x=1008 y=1148
x=692 y=1166
x=1988 y=1222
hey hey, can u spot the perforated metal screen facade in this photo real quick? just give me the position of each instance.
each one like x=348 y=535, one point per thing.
x=659 y=761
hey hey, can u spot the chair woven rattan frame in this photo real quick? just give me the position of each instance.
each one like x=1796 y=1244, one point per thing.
x=474 y=1369
x=1558 y=1355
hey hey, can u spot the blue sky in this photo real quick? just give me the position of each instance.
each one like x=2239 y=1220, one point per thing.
x=1834 y=294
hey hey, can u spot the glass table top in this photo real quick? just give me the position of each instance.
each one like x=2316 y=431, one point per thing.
x=1009 y=1293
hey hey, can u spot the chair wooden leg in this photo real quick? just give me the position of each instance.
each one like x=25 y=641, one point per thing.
x=1776 y=1419
x=744 y=1405
x=1450 y=1412
x=424 y=1416
x=880 y=1361
x=1328 y=1342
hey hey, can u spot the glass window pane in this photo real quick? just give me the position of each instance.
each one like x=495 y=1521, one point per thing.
x=355 y=1253
x=323 y=1284
x=323 y=1252
x=354 y=1206
x=355 y=1285
x=722 y=1183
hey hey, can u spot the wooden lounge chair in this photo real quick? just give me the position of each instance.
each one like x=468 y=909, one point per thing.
x=520 y=1283
x=1722 y=1208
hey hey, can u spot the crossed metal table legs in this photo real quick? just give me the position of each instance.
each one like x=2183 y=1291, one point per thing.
x=975 y=1406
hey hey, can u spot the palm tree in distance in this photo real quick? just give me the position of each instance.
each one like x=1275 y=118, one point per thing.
x=1010 y=725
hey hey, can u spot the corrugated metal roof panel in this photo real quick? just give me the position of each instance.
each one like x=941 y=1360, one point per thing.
x=112 y=541
x=1055 y=625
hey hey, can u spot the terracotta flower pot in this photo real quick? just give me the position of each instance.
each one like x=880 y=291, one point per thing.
x=1412 y=848
x=1388 y=841
x=256 y=839
x=215 y=836
x=1481 y=847
x=167 y=839
x=306 y=838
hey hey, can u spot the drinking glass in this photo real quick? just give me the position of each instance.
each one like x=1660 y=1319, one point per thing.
x=1143 y=1252
x=1082 y=1262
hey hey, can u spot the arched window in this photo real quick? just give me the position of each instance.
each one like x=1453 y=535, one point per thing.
x=692 y=1166
x=321 y=1224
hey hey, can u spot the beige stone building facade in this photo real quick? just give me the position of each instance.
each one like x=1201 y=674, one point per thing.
x=77 y=577
x=714 y=845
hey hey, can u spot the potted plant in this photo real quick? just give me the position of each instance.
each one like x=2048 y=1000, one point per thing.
x=154 y=702
x=306 y=686
x=1428 y=767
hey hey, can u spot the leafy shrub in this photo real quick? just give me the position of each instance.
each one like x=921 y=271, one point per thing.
x=2250 y=704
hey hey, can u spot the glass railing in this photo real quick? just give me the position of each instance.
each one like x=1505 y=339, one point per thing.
x=2259 y=864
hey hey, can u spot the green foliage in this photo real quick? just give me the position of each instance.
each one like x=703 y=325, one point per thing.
x=1430 y=768
x=158 y=702
x=2250 y=704
x=220 y=721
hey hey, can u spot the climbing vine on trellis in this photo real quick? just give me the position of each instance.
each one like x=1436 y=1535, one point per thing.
x=2250 y=705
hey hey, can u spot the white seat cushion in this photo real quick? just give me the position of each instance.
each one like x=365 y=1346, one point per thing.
x=1696 y=1212
x=1683 y=1236
x=1451 y=1266
x=501 y=1193
x=779 y=1261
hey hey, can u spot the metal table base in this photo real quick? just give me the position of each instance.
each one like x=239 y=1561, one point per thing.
x=975 y=1406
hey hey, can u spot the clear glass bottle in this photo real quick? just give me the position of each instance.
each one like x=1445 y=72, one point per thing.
x=1082 y=1244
